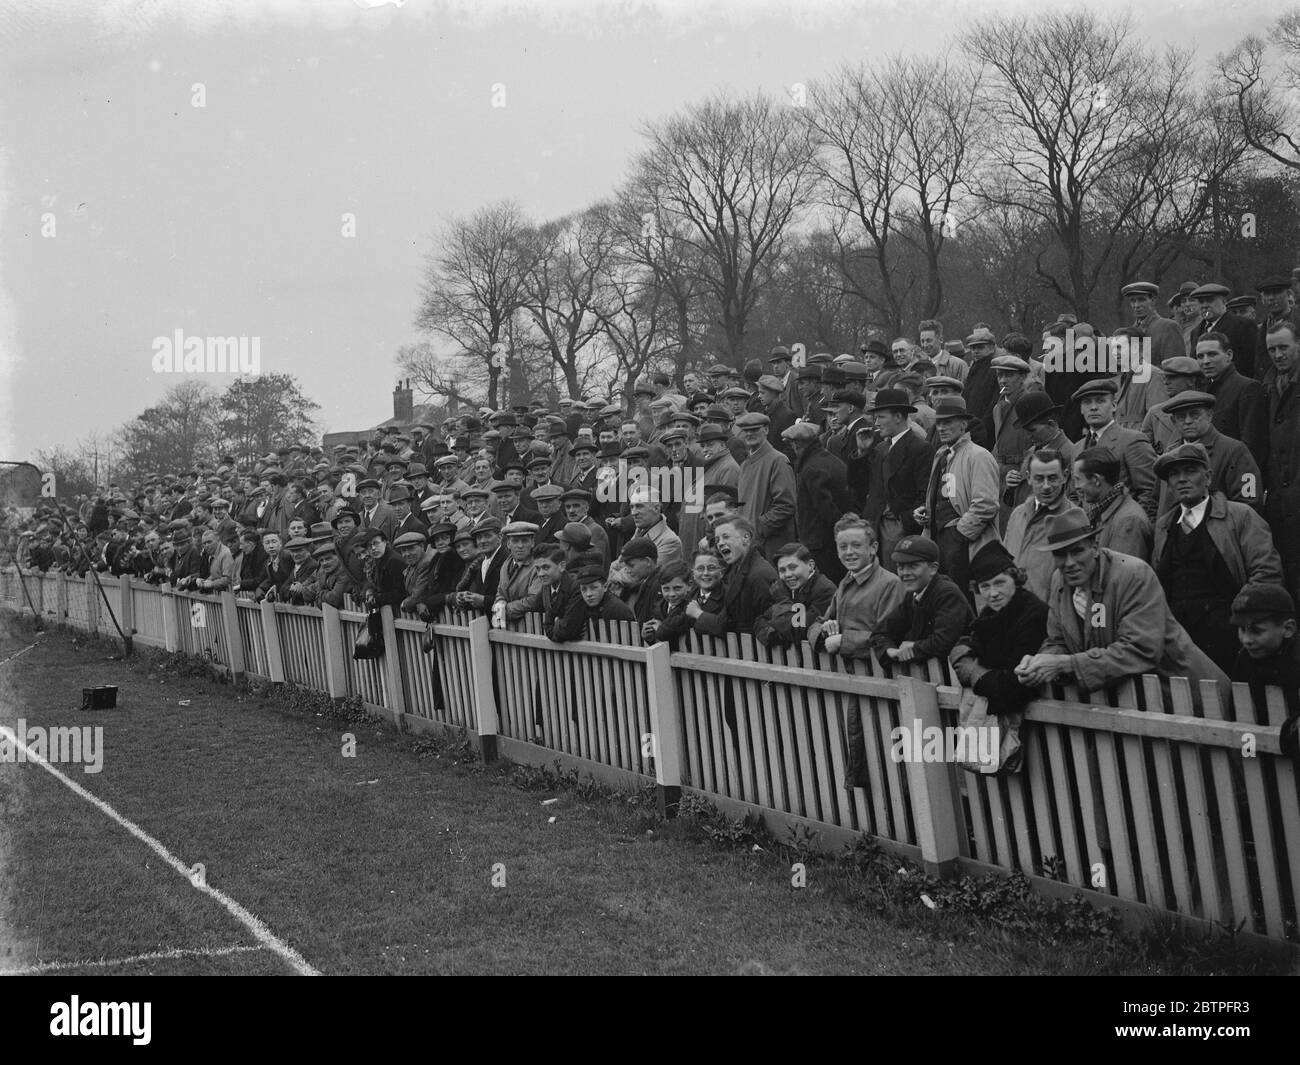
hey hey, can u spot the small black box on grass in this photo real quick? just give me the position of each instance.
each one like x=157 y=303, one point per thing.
x=102 y=697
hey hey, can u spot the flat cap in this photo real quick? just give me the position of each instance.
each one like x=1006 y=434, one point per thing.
x=547 y=491
x=297 y=542
x=1140 y=288
x=1180 y=455
x=1188 y=400
x=640 y=547
x=1275 y=283
x=1257 y=601
x=577 y=494
x=488 y=523
x=1180 y=366
x=1240 y=303
x=475 y=492
x=981 y=336
x=369 y=482
x=1102 y=386
x=940 y=381
x=1010 y=362
x=916 y=549
x=713 y=432
x=734 y=392
x=693 y=420
x=803 y=431
x=591 y=575
x=575 y=533
x=669 y=436
x=1210 y=291
x=753 y=420
x=855 y=371
x=324 y=548
x=719 y=369
x=442 y=528
x=410 y=539
x=520 y=528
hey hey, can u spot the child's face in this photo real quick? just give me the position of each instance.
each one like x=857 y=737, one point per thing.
x=1264 y=636
x=593 y=593
x=548 y=572
x=708 y=572
x=674 y=591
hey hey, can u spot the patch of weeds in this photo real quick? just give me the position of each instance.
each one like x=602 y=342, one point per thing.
x=456 y=752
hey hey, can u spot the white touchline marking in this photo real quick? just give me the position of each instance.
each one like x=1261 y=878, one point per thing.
x=16 y=654
x=251 y=921
x=104 y=963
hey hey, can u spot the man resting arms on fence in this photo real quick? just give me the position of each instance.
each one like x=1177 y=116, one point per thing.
x=933 y=615
x=1108 y=618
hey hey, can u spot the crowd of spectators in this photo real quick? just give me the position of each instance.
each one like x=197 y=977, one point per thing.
x=1027 y=516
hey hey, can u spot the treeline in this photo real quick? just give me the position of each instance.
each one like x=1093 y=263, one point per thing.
x=1035 y=167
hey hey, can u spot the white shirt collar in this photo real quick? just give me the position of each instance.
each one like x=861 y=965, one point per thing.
x=1195 y=514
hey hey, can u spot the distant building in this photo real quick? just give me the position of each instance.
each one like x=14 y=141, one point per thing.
x=406 y=412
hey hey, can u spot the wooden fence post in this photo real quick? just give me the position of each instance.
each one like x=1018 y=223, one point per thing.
x=665 y=729
x=127 y=613
x=393 y=666
x=485 y=702
x=171 y=635
x=336 y=666
x=60 y=596
x=94 y=604
x=931 y=783
x=274 y=660
x=234 y=645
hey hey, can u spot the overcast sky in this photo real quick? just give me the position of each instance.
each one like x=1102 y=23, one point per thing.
x=226 y=220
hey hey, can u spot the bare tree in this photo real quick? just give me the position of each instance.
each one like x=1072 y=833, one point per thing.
x=731 y=177
x=1261 y=79
x=899 y=143
x=474 y=285
x=562 y=290
x=1090 y=127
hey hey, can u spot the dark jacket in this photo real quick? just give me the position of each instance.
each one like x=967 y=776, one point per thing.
x=564 y=612
x=897 y=480
x=934 y=625
x=448 y=569
x=746 y=593
x=385 y=577
x=1281 y=670
x=474 y=581
x=821 y=496
x=1240 y=411
x=1241 y=336
x=674 y=624
x=986 y=658
x=782 y=624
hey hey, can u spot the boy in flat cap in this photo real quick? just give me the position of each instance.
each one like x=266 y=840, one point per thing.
x=1264 y=615
x=934 y=613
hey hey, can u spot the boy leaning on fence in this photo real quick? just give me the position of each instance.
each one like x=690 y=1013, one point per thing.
x=934 y=613
x=1264 y=615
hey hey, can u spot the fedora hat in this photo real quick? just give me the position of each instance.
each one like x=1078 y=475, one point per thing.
x=1062 y=530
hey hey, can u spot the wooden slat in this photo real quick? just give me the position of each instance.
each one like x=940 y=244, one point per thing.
x=1212 y=903
x=1233 y=848
x=1266 y=869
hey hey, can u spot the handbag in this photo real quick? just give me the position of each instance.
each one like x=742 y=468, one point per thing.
x=428 y=641
x=370 y=644
x=987 y=744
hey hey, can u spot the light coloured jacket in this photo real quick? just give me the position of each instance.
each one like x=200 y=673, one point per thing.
x=976 y=492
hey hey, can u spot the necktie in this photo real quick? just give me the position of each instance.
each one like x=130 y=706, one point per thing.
x=1186 y=522
x=1092 y=438
x=936 y=480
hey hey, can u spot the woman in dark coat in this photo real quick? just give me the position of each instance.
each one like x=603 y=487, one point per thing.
x=1012 y=625
x=449 y=567
x=385 y=581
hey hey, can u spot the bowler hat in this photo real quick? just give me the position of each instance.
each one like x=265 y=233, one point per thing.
x=892 y=399
x=1034 y=406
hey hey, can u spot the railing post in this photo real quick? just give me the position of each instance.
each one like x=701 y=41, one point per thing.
x=60 y=596
x=127 y=613
x=393 y=665
x=171 y=635
x=274 y=660
x=336 y=666
x=665 y=729
x=230 y=624
x=485 y=701
x=93 y=604
x=931 y=784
